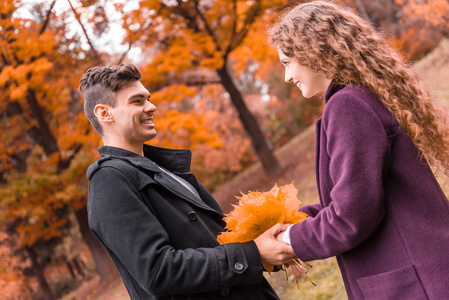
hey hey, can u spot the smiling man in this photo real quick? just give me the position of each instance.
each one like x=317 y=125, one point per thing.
x=157 y=222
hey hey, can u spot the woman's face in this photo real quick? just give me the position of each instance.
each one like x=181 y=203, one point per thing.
x=309 y=82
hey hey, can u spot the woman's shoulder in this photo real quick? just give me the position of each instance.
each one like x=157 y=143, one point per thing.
x=360 y=102
x=353 y=92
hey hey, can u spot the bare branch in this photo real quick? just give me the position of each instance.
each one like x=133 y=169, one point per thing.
x=47 y=18
x=203 y=83
x=187 y=83
x=132 y=40
x=234 y=26
x=209 y=30
x=92 y=48
x=251 y=16
x=122 y=57
x=5 y=61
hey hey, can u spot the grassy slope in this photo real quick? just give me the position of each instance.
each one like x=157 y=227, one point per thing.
x=297 y=159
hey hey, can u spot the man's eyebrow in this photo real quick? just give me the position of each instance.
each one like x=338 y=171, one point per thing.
x=139 y=96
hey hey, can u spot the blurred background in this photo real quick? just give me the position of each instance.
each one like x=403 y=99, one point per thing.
x=220 y=91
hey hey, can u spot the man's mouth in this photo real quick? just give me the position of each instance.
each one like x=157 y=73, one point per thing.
x=147 y=121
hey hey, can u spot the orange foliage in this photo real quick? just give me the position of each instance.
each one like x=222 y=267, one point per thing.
x=433 y=11
x=204 y=121
x=187 y=43
x=43 y=126
x=257 y=212
x=184 y=130
x=422 y=25
x=12 y=280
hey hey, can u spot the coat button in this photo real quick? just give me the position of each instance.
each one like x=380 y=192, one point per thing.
x=192 y=216
x=225 y=291
x=238 y=266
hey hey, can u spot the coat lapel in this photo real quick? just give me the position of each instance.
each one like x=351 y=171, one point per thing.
x=175 y=160
x=179 y=190
x=317 y=155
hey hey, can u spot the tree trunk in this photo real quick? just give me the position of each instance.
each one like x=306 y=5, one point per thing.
x=47 y=139
x=103 y=263
x=78 y=267
x=69 y=267
x=261 y=145
x=104 y=266
x=39 y=272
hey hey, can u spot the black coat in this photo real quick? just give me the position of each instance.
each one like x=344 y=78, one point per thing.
x=161 y=237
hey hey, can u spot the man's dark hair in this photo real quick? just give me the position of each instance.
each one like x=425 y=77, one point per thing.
x=99 y=85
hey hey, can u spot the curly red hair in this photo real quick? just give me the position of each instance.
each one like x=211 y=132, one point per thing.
x=336 y=42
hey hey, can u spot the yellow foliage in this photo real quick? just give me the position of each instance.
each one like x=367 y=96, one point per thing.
x=257 y=212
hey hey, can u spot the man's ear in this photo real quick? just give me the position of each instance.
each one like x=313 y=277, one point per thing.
x=102 y=111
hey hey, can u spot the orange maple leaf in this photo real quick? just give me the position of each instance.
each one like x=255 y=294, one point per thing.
x=257 y=212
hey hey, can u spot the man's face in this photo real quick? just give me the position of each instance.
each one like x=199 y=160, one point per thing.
x=133 y=117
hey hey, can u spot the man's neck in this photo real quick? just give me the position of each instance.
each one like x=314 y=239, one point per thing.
x=138 y=149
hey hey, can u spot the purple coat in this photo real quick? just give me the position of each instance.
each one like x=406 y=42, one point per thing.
x=381 y=211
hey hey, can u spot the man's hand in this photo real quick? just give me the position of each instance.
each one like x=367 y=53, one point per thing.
x=272 y=251
x=280 y=236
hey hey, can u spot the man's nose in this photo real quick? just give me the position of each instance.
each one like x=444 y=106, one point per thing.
x=150 y=106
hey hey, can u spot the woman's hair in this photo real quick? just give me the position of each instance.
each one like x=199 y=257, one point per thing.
x=336 y=42
x=99 y=85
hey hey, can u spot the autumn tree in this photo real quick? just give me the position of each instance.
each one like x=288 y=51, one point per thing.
x=435 y=12
x=12 y=264
x=413 y=26
x=423 y=24
x=202 y=36
x=47 y=143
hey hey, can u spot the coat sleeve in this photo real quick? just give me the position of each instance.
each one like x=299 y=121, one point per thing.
x=358 y=148
x=311 y=210
x=141 y=248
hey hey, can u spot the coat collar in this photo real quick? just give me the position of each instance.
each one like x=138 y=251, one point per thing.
x=332 y=89
x=175 y=160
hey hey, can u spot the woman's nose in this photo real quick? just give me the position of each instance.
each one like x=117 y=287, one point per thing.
x=287 y=77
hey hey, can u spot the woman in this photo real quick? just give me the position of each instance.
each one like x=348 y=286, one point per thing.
x=381 y=211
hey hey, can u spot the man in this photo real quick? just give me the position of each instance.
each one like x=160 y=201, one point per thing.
x=157 y=222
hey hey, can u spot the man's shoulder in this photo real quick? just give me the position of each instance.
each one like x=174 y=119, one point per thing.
x=118 y=170
x=107 y=161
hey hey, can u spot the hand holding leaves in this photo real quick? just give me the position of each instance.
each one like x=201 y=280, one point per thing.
x=257 y=212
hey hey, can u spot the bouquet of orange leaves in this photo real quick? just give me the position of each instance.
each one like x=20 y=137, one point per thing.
x=257 y=212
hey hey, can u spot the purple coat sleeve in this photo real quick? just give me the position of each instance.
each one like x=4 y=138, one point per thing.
x=353 y=149
x=311 y=210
